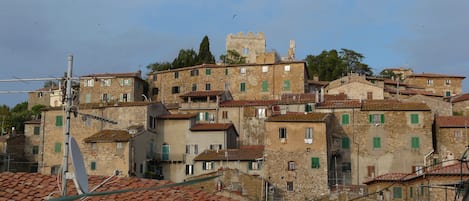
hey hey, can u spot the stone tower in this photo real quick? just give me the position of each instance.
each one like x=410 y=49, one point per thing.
x=247 y=45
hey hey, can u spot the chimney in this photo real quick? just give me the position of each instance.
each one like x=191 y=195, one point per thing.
x=316 y=98
x=322 y=94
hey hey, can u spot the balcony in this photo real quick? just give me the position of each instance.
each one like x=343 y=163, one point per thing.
x=198 y=105
x=169 y=158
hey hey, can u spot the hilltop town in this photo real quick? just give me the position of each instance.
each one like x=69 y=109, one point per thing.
x=268 y=128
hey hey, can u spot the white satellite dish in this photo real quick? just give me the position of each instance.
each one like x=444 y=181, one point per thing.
x=80 y=178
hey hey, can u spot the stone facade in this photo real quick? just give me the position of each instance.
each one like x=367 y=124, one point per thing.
x=452 y=136
x=437 y=105
x=243 y=81
x=248 y=45
x=349 y=84
x=111 y=87
x=40 y=97
x=33 y=149
x=461 y=105
x=443 y=85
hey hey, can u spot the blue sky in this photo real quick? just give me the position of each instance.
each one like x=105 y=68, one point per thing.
x=124 y=36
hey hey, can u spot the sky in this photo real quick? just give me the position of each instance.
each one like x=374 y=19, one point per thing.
x=115 y=36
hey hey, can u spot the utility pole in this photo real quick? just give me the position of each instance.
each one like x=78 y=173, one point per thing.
x=68 y=99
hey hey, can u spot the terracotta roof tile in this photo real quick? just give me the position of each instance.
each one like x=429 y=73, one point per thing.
x=177 y=116
x=411 y=92
x=243 y=154
x=389 y=177
x=393 y=105
x=339 y=104
x=211 y=127
x=109 y=136
x=452 y=121
x=35 y=186
x=240 y=103
x=35 y=121
x=299 y=117
x=460 y=98
x=434 y=75
x=130 y=74
x=202 y=94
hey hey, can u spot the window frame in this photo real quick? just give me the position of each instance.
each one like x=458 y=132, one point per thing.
x=376 y=142
x=315 y=163
x=345 y=119
x=414 y=118
x=242 y=87
x=282 y=133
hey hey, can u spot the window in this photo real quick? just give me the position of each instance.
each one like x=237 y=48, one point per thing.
x=345 y=119
x=376 y=142
x=376 y=118
x=104 y=97
x=369 y=95
x=195 y=72
x=57 y=147
x=415 y=142
x=36 y=130
x=154 y=91
x=457 y=134
x=287 y=68
x=208 y=165
x=226 y=71
x=93 y=146
x=260 y=113
x=207 y=87
x=345 y=143
x=155 y=77
x=216 y=146
x=429 y=82
x=265 y=69
x=175 y=90
x=346 y=167
x=165 y=152
x=189 y=169
x=308 y=135
x=397 y=192
x=315 y=163
x=286 y=85
x=289 y=186
x=371 y=171
x=282 y=133
x=39 y=94
x=58 y=120
x=176 y=75
x=93 y=165
x=254 y=165
x=265 y=86
x=194 y=87
x=242 y=86
x=447 y=93
x=208 y=71
x=411 y=192
x=243 y=70
x=124 y=97
x=188 y=149
x=308 y=107
x=35 y=150
x=87 y=98
x=196 y=149
x=126 y=82
x=291 y=165
x=105 y=82
x=448 y=82
x=89 y=83
x=245 y=51
x=224 y=115
x=414 y=118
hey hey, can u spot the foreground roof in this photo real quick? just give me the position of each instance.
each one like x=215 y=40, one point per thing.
x=299 y=117
x=109 y=136
x=452 y=121
x=211 y=127
x=202 y=94
x=247 y=153
x=177 y=116
x=460 y=98
x=35 y=186
x=393 y=105
x=434 y=75
x=130 y=74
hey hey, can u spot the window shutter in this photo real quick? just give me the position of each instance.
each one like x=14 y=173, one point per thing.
x=345 y=143
x=314 y=162
x=382 y=118
x=204 y=165
x=370 y=118
x=206 y=116
x=213 y=165
x=197 y=117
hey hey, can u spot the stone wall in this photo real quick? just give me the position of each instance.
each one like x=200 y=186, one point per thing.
x=438 y=86
x=461 y=108
x=248 y=45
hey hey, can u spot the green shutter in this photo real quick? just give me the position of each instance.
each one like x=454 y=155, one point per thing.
x=370 y=118
x=204 y=165
x=376 y=142
x=286 y=85
x=226 y=71
x=345 y=119
x=345 y=143
x=206 y=116
x=314 y=162
x=382 y=118
x=415 y=142
x=36 y=130
x=58 y=120
x=208 y=71
x=57 y=147
x=93 y=165
x=197 y=117
x=265 y=86
x=411 y=192
x=414 y=118
x=242 y=86
x=397 y=192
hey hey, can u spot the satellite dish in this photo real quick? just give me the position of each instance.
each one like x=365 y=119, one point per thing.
x=80 y=178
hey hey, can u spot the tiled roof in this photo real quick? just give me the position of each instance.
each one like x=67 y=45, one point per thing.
x=109 y=136
x=434 y=75
x=211 y=127
x=411 y=92
x=322 y=83
x=35 y=186
x=243 y=154
x=336 y=104
x=202 y=94
x=393 y=105
x=452 y=121
x=389 y=177
x=299 y=117
x=171 y=105
x=35 y=121
x=305 y=96
x=177 y=116
x=131 y=74
x=240 y=103
x=460 y=98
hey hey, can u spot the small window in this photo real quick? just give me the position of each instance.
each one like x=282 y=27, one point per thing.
x=39 y=94
x=308 y=107
x=265 y=69
x=88 y=98
x=315 y=163
x=208 y=71
x=286 y=85
x=345 y=119
x=448 y=82
x=287 y=68
x=291 y=165
x=415 y=142
x=196 y=149
x=429 y=82
x=188 y=149
x=93 y=146
x=155 y=77
x=175 y=90
x=371 y=171
x=35 y=150
x=126 y=82
x=93 y=165
x=369 y=95
x=195 y=72
x=376 y=142
x=376 y=118
x=289 y=186
x=265 y=86
x=260 y=113
x=242 y=87
x=58 y=120
x=37 y=130
x=414 y=118
x=345 y=143
x=346 y=167
x=119 y=145
x=243 y=70
x=155 y=91
x=207 y=86
x=226 y=71
x=254 y=165
x=282 y=133
x=397 y=192
x=457 y=134
x=57 y=147
x=194 y=87
x=224 y=115
x=104 y=97
x=309 y=135
x=189 y=169
x=447 y=93
x=176 y=75
x=89 y=83
x=245 y=51
x=208 y=165
x=105 y=82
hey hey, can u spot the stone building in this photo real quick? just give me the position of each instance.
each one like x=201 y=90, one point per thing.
x=112 y=87
x=48 y=96
x=248 y=45
x=348 y=85
x=401 y=72
x=243 y=81
x=460 y=104
x=301 y=154
x=452 y=136
x=32 y=145
x=436 y=104
x=444 y=85
x=94 y=120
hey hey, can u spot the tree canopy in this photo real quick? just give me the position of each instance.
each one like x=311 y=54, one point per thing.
x=205 y=56
x=16 y=116
x=232 y=57
x=332 y=64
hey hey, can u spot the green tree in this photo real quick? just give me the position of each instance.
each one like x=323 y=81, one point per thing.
x=185 y=58
x=232 y=57
x=157 y=66
x=50 y=83
x=353 y=62
x=20 y=114
x=205 y=56
x=387 y=74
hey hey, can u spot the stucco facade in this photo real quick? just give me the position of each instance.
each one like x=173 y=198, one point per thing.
x=349 y=84
x=248 y=45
